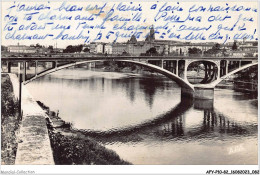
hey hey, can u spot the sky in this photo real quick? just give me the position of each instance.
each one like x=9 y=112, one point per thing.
x=74 y=23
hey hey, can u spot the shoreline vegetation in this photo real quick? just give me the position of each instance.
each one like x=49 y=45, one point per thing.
x=126 y=68
x=10 y=121
x=71 y=147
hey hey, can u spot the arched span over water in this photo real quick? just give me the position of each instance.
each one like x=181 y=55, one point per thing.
x=182 y=83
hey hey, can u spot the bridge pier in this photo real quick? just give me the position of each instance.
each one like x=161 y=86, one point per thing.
x=201 y=93
x=36 y=68
x=54 y=64
x=177 y=67
x=24 y=71
x=9 y=64
x=227 y=62
x=201 y=104
x=186 y=93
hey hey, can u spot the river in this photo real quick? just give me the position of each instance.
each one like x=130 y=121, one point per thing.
x=144 y=119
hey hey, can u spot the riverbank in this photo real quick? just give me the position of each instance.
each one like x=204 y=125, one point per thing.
x=71 y=147
x=10 y=122
x=255 y=102
x=126 y=68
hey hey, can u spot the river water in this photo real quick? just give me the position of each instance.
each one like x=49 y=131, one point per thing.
x=144 y=119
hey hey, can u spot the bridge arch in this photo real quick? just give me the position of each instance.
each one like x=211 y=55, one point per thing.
x=202 y=60
x=182 y=83
x=216 y=82
x=211 y=70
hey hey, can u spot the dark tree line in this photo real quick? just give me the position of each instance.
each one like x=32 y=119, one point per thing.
x=73 y=49
x=3 y=48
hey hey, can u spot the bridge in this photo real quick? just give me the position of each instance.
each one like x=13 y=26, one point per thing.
x=215 y=69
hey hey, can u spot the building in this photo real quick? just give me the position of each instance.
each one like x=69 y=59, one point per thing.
x=57 y=50
x=203 y=46
x=108 y=49
x=21 y=49
x=151 y=36
x=136 y=48
x=169 y=47
x=249 y=48
x=97 y=47
x=100 y=48
x=119 y=48
x=178 y=49
x=92 y=47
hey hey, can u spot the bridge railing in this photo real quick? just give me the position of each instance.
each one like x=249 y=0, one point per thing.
x=87 y=54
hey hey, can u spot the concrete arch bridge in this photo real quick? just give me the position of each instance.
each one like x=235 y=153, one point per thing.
x=210 y=71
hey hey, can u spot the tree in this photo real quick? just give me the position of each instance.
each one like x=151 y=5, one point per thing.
x=73 y=49
x=3 y=48
x=216 y=47
x=79 y=48
x=38 y=45
x=69 y=49
x=234 y=47
x=152 y=51
x=194 y=50
x=86 y=49
x=125 y=53
x=50 y=47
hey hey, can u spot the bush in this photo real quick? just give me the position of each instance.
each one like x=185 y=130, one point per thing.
x=75 y=150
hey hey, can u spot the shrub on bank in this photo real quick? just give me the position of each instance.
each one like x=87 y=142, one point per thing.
x=9 y=122
x=75 y=150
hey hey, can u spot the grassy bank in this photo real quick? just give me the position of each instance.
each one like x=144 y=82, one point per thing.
x=72 y=147
x=9 y=122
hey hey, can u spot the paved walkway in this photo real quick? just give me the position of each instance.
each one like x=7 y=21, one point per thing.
x=34 y=144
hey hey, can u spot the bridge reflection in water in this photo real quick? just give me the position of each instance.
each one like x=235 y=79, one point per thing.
x=173 y=126
x=212 y=122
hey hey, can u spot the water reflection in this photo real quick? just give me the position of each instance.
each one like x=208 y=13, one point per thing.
x=175 y=125
x=146 y=121
x=106 y=101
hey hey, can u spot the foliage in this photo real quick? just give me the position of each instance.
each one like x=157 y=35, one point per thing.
x=50 y=47
x=3 y=48
x=125 y=53
x=86 y=49
x=151 y=52
x=194 y=50
x=9 y=122
x=214 y=50
x=234 y=47
x=255 y=44
x=75 y=150
x=247 y=74
x=7 y=101
x=38 y=45
x=211 y=51
x=73 y=49
x=216 y=47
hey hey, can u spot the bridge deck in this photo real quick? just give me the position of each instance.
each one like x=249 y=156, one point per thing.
x=109 y=58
